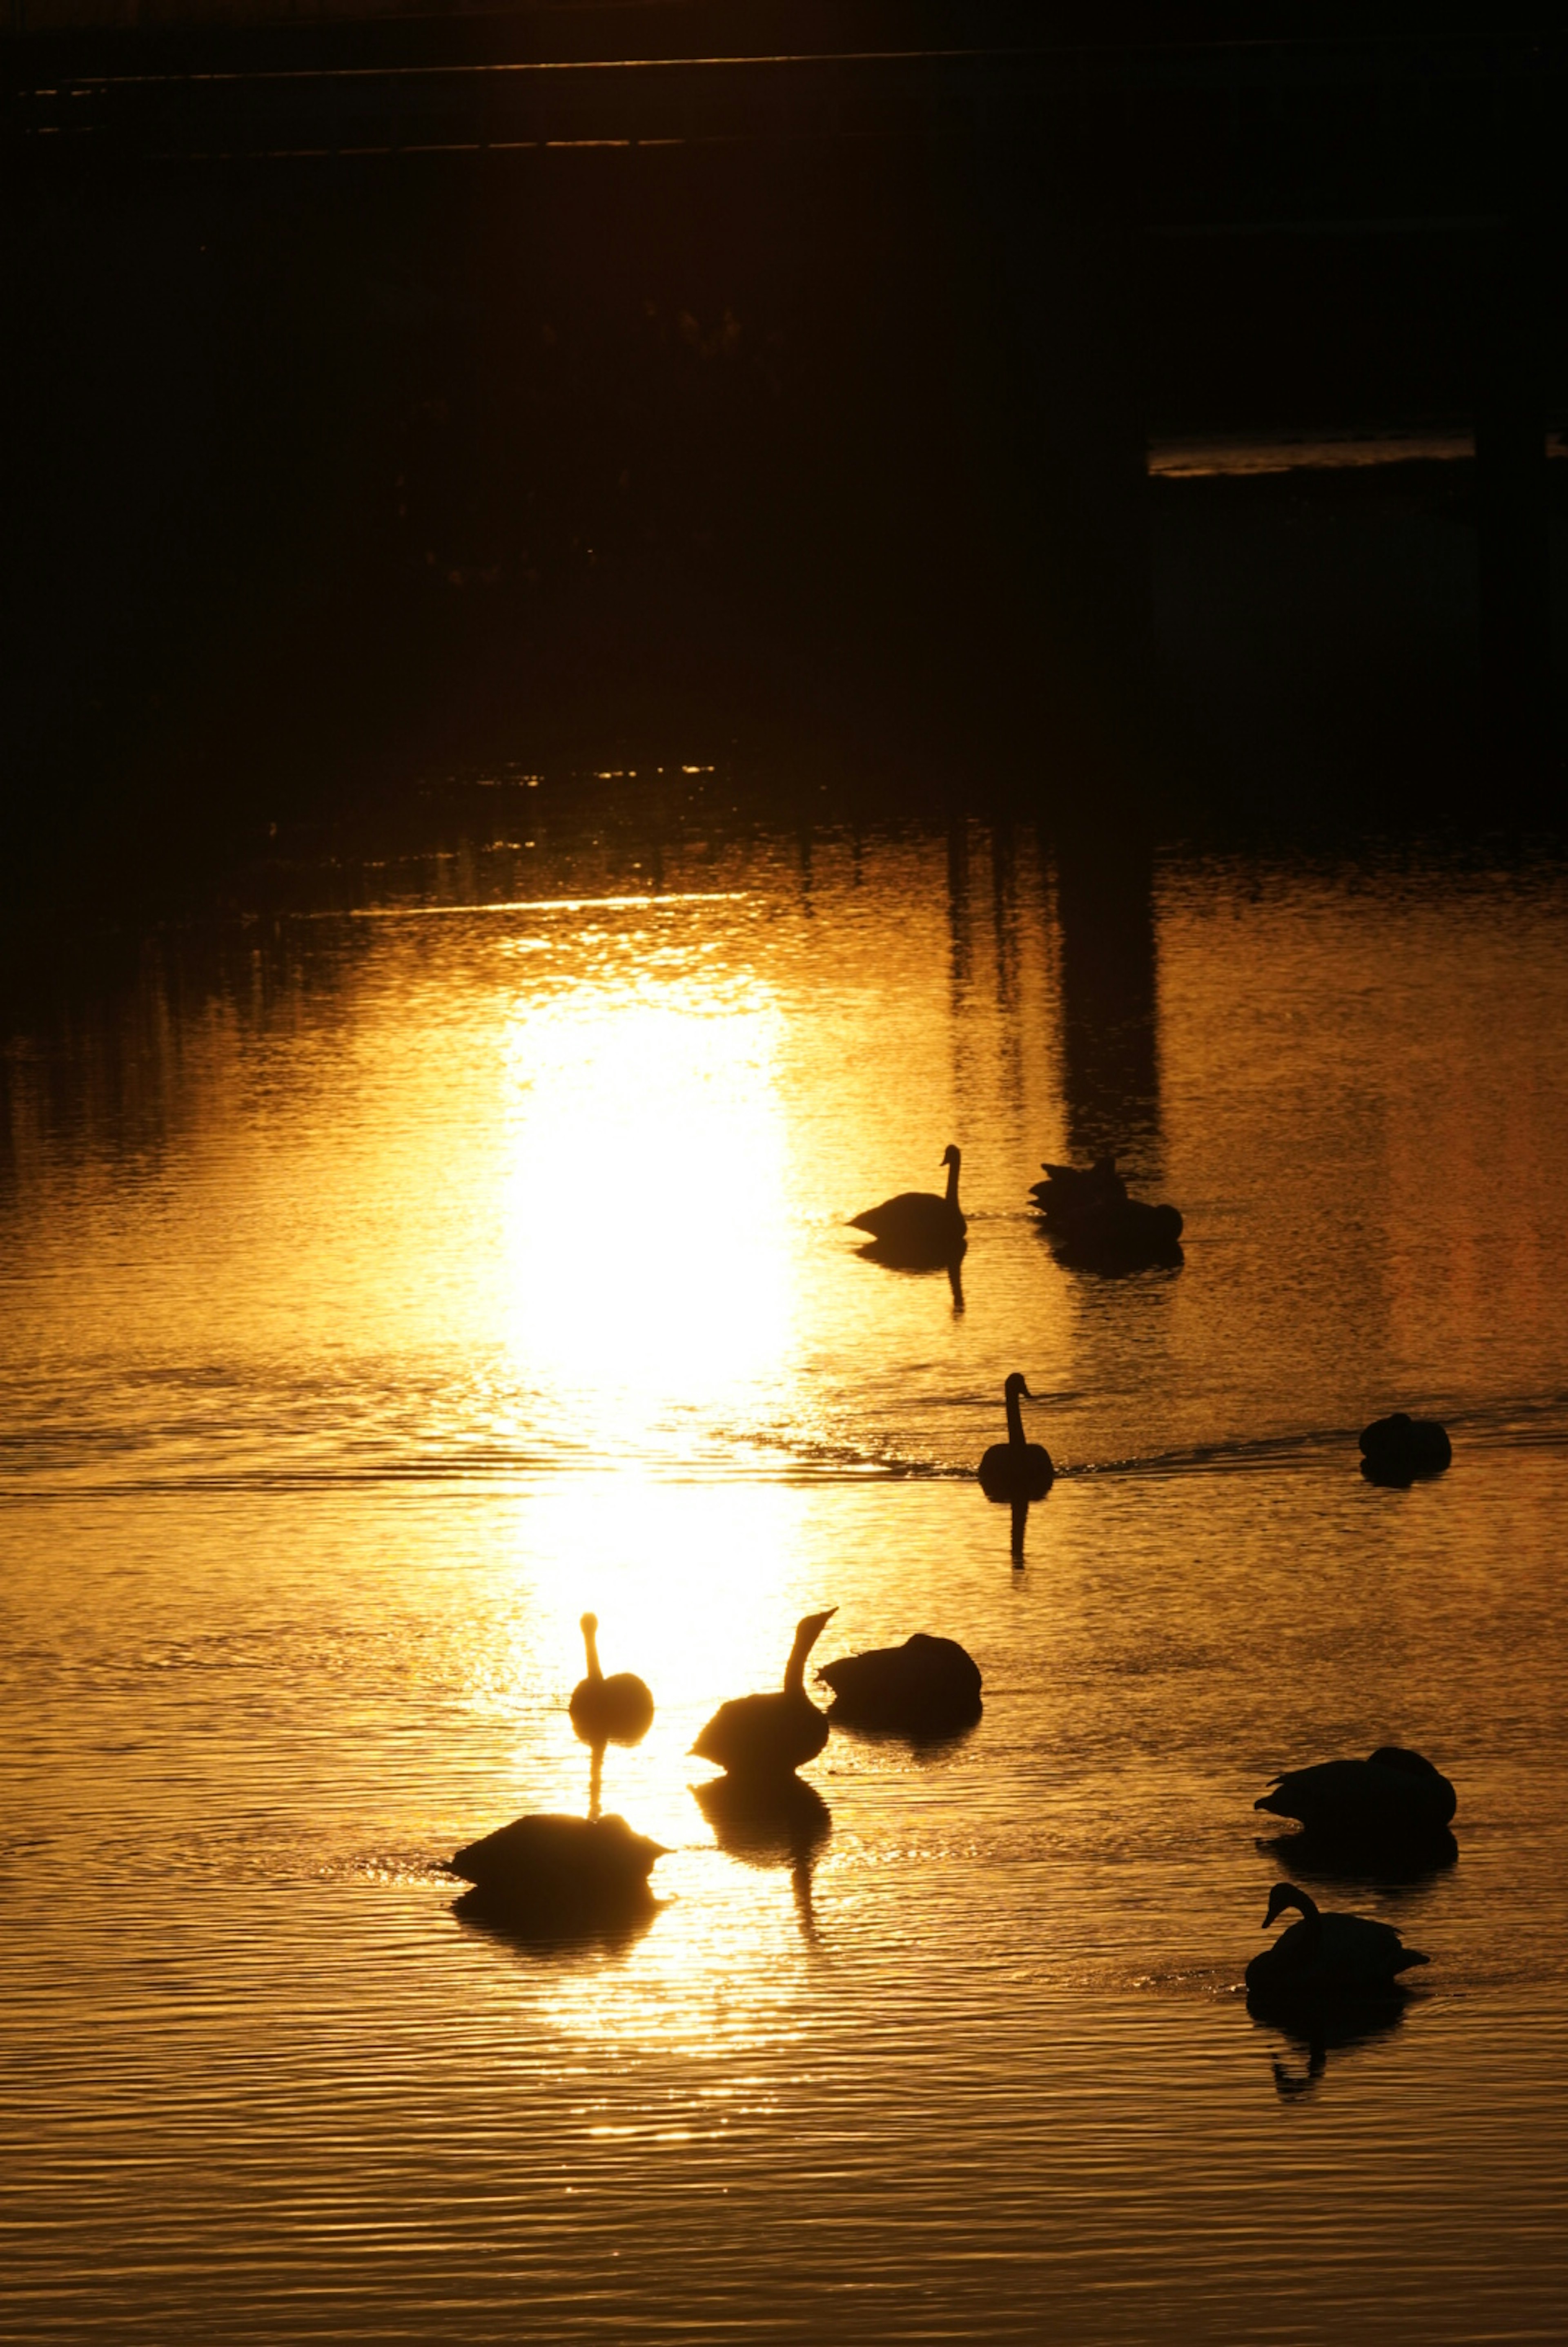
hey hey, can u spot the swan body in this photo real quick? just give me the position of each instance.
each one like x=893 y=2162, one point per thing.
x=546 y=1863
x=771 y=1736
x=1090 y=1213
x=1327 y=1955
x=1016 y=1470
x=615 y=1710
x=1396 y=1450
x=921 y=1688
x=917 y=1225
x=1394 y=1795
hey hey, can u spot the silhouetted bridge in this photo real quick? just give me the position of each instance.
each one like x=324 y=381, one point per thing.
x=1250 y=134
x=1077 y=160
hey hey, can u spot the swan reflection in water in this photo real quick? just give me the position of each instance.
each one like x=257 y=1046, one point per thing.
x=1320 y=1858
x=1312 y=2033
x=780 y=1821
x=561 y=1934
x=893 y=1258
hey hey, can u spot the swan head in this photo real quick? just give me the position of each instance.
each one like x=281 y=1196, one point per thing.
x=808 y=1630
x=1286 y=1894
x=952 y=1155
x=1015 y=1386
x=588 y=1624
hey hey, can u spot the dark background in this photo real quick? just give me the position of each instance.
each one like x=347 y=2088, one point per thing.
x=817 y=453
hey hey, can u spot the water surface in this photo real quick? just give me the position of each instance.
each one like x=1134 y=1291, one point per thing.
x=386 y=1282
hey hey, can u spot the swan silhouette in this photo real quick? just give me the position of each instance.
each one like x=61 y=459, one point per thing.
x=927 y=1687
x=548 y=1866
x=917 y=1227
x=1394 y=1796
x=771 y=1736
x=1016 y=1470
x=1396 y=1450
x=615 y=1710
x=1094 y=1223
x=1329 y=1956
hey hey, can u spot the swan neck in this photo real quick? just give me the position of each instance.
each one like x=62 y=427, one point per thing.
x=1014 y=1421
x=952 y=1185
x=795 y=1670
x=591 y=1641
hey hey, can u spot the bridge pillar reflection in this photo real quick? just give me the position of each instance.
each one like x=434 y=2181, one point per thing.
x=1512 y=514
x=1110 y=1001
x=1058 y=300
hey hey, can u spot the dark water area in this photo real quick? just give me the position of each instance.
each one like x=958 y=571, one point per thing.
x=321 y=476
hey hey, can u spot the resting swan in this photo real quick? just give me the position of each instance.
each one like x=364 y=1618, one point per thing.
x=1327 y=1955
x=1098 y=1225
x=548 y=1864
x=1016 y=1470
x=917 y=1225
x=927 y=1687
x=771 y=1736
x=1396 y=1794
x=1396 y=1450
x=615 y=1710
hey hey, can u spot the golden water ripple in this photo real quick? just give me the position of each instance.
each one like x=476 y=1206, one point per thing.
x=380 y=1298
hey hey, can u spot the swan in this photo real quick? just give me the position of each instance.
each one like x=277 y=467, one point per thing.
x=762 y=1735
x=548 y=1863
x=1394 y=1795
x=1095 y=1223
x=917 y=1225
x=1327 y=1955
x=1071 y=1192
x=1396 y=1450
x=923 y=1688
x=1016 y=1470
x=615 y=1710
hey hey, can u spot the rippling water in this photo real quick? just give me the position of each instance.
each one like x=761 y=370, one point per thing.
x=386 y=1282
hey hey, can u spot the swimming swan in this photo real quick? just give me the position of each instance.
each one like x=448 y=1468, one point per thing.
x=1016 y=1470
x=1396 y=1794
x=763 y=1736
x=1327 y=1955
x=917 y=1225
x=615 y=1710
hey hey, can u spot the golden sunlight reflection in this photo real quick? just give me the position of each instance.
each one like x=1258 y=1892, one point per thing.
x=644 y=1203
x=721 y=1969
x=698 y=1589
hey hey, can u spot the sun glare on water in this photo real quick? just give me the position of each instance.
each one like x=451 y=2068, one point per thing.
x=645 y=1202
